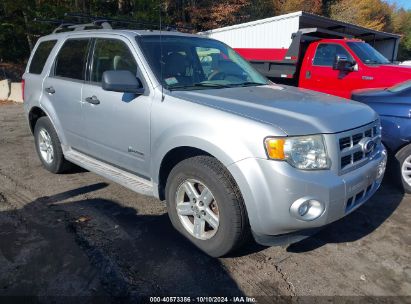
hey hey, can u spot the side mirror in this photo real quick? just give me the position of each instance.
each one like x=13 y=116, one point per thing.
x=121 y=81
x=342 y=63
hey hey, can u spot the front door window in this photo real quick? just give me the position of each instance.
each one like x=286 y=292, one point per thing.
x=111 y=54
x=326 y=53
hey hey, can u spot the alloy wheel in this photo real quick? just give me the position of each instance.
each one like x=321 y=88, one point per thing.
x=197 y=209
x=46 y=146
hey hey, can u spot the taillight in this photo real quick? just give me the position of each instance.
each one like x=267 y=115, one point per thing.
x=22 y=88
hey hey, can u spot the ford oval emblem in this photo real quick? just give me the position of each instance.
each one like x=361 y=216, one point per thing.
x=367 y=145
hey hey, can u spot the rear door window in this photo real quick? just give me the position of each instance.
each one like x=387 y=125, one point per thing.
x=40 y=56
x=111 y=54
x=325 y=54
x=72 y=58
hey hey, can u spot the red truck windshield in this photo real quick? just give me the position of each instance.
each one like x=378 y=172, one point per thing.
x=367 y=53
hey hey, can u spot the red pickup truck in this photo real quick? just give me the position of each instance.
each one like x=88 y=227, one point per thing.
x=335 y=66
x=339 y=66
x=322 y=54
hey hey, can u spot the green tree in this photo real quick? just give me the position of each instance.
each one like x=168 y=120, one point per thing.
x=18 y=32
x=373 y=14
x=288 y=6
x=402 y=25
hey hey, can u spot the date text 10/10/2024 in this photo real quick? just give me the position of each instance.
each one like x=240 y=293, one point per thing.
x=240 y=299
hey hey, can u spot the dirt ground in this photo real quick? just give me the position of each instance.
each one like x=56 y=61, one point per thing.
x=80 y=235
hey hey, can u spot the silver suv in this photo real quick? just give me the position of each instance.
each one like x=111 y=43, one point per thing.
x=185 y=119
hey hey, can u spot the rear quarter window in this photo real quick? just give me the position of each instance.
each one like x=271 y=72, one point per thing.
x=40 y=56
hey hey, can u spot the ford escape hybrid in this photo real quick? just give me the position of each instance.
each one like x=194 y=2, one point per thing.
x=185 y=119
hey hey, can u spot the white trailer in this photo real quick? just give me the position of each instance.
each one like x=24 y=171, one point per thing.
x=270 y=39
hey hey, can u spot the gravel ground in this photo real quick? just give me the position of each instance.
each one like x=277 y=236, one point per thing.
x=80 y=235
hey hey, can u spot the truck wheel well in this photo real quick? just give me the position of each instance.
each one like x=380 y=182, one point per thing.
x=172 y=158
x=34 y=115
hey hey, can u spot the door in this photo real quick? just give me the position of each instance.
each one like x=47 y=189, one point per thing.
x=117 y=125
x=322 y=77
x=63 y=89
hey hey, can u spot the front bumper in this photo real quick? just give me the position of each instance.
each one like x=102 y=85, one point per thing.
x=269 y=188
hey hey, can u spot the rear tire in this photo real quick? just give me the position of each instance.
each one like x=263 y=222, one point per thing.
x=48 y=146
x=403 y=158
x=215 y=202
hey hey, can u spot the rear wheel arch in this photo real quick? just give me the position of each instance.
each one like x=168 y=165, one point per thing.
x=34 y=115
x=48 y=146
x=37 y=112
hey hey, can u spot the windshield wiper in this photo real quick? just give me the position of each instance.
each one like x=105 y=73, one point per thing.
x=248 y=83
x=200 y=85
x=211 y=85
x=216 y=85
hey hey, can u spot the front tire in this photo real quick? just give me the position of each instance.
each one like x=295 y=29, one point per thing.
x=48 y=146
x=205 y=205
x=403 y=157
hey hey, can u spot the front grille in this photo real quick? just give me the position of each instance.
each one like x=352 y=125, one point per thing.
x=368 y=133
x=351 y=153
x=356 y=138
x=358 y=199
x=346 y=160
x=345 y=143
x=357 y=156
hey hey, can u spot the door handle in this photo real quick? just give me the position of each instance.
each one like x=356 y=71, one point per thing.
x=93 y=100
x=50 y=90
x=308 y=74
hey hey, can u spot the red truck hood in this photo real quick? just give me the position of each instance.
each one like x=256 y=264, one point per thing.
x=406 y=70
x=387 y=75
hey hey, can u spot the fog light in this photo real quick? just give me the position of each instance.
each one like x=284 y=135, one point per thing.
x=307 y=209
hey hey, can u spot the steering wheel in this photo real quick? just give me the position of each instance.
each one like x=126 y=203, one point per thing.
x=217 y=75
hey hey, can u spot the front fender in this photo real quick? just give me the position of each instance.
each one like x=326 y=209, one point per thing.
x=227 y=151
x=396 y=131
x=226 y=136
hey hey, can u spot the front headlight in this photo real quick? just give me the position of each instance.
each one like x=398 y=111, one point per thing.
x=305 y=152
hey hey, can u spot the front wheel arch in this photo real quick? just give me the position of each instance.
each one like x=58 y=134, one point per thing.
x=175 y=156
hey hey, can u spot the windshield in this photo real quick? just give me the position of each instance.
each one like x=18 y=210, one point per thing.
x=193 y=63
x=367 y=53
x=400 y=87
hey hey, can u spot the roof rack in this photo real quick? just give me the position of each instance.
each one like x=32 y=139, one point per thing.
x=64 y=25
x=101 y=24
x=96 y=22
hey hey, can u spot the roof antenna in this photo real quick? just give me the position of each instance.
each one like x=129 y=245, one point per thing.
x=160 y=6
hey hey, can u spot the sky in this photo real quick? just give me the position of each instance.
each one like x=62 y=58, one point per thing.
x=401 y=3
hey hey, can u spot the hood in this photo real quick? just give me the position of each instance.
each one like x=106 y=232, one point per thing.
x=396 y=74
x=403 y=69
x=295 y=111
x=385 y=102
x=362 y=94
